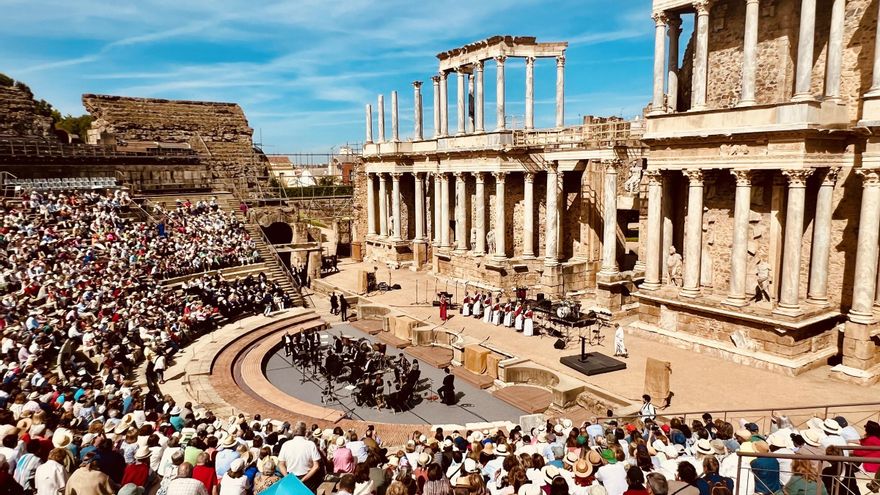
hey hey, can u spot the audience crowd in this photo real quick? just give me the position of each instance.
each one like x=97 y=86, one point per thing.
x=82 y=307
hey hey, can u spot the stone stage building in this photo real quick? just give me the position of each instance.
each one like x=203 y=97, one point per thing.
x=501 y=207
x=763 y=173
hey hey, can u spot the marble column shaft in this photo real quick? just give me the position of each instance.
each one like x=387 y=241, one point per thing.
x=499 y=93
x=739 y=252
x=530 y=93
x=750 y=54
x=821 y=245
x=395 y=129
x=369 y=124
x=444 y=211
x=417 y=111
x=806 y=38
x=659 y=60
x=655 y=228
x=693 y=243
x=460 y=107
x=395 y=205
x=479 y=99
x=789 y=286
x=381 y=110
x=436 y=83
x=371 y=205
x=865 y=272
x=551 y=238
x=529 y=216
x=835 y=51
x=383 y=207
x=461 y=236
x=560 y=91
x=666 y=225
x=609 y=235
x=438 y=206
x=674 y=34
x=444 y=104
x=480 y=213
x=500 y=223
x=701 y=56
x=420 y=207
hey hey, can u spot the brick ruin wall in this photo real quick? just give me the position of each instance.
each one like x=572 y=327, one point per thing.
x=217 y=131
x=778 y=24
x=19 y=117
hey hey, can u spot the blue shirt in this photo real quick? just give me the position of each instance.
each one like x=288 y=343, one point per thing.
x=766 y=471
x=224 y=461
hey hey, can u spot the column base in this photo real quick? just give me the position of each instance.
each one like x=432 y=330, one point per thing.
x=609 y=270
x=499 y=258
x=736 y=301
x=834 y=99
x=859 y=317
x=658 y=111
x=699 y=108
x=460 y=251
x=787 y=310
x=395 y=239
x=689 y=292
x=800 y=97
x=528 y=256
x=650 y=286
x=746 y=103
x=551 y=262
x=818 y=301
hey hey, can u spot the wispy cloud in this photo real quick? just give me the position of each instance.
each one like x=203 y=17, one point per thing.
x=57 y=64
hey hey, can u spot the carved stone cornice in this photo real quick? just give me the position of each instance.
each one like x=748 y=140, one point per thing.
x=797 y=177
x=830 y=177
x=694 y=176
x=743 y=176
x=870 y=177
x=478 y=66
x=655 y=177
x=660 y=19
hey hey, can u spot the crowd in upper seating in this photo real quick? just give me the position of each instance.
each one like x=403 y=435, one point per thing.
x=82 y=307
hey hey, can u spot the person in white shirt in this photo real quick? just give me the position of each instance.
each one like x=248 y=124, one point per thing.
x=51 y=477
x=300 y=457
x=647 y=410
x=613 y=476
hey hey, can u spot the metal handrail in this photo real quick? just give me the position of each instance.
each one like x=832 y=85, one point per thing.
x=727 y=412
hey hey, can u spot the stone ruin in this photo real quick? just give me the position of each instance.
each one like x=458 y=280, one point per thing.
x=19 y=116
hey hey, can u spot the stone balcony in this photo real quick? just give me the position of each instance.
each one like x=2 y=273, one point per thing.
x=782 y=117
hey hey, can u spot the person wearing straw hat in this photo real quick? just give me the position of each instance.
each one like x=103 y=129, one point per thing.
x=138 y=473
x=832 y=429
x=89 y=479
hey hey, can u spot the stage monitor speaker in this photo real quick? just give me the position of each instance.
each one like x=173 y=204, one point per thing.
x=560 y=344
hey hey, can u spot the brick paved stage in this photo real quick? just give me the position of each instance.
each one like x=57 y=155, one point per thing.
x=474 y=405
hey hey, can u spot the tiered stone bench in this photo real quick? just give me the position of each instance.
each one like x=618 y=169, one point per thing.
x=530 y=399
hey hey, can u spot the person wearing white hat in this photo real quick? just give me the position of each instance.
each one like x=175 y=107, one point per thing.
x=234 y=481
x=780 y=443
x=832 y=429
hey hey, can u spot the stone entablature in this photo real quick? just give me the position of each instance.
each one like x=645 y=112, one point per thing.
x=498 y=46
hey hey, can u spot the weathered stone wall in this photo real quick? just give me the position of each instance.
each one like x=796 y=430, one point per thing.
x=359 y=203
x=19 y=117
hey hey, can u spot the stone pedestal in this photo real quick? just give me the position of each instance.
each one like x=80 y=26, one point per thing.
x=420 y=254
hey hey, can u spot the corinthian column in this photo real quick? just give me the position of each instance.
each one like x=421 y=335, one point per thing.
x=438 y=207
x=461 y=241
x=560 y=91
x=701 y=55
x=417 y=109
x=821 y=247
x=480 y=212
x=551 y=238
x=835 y=51
x=383 y=207
x=794 y=230
x=500 y=225
x=529 y=216
x=875 y=74
x=865 y=273
x=659 y=58
x=369 y=123
x=530 y=93
x=609 y=237
x=444 y=105
x=395 y=205
x=739 y=252
x=674 y=33
x=655 y=229
x=479 y=100
x=420 y=207
x=460 y=86
x=693 y=246
x=444 y=211
x=499 y=93
x=806 y=37
x=750 y=55
x=395 y=130
x=371 y=205
x=381 y=109
x=436 y=83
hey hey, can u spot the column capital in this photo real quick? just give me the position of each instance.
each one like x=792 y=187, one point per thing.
x=530 y=177
x=694 y=176
x=797 y=177
x=870 y=176
x=480 y=177
x=461 y=70
x=499 y=176
x=459 y=174
x=396 y=175
x=743 y=176
x=443 y=75
x=435 y=80
x=478 y=65
x=552 y=166
x=381 y=176
x=530 y=61
x=660 y=18
x=417 y=84
x=611 y=165
x=500 y=59
x=560 y=60
x=702 y=6
x=655 y=177
x=830 y=177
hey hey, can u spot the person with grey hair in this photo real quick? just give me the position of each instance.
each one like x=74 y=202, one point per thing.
x=184 y=483
x=656 y=484
x=300 y=457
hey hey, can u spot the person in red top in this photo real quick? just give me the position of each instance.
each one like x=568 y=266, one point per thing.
x=139 y=472
x=206 y=474
x=872 y=439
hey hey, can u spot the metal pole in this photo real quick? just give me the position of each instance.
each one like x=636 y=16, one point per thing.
x=739 y=460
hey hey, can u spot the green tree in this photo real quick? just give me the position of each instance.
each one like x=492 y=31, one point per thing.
x=74 y=125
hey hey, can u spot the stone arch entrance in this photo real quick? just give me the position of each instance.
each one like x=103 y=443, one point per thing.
x=278 y=233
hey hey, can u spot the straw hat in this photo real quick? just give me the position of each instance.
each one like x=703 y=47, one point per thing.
x=582 y=469
x=831 y=427
x=549 y=471
x=704 y=447
x=470 y=466
x=142 y=453
x=424 y=459
x=571 y=457
x=594 y=458
x=62 y=438
x=501 y=449
x=228 y=442
x=812 y=437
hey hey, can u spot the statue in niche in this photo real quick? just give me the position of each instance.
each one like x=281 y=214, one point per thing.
x=391 y=225
x=635 y=177
x=473 y=237
x=490 y=241
x=673 y=266
x=707 y=259
x=762 y=290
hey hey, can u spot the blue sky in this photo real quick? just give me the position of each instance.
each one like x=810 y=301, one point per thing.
x=303 y=70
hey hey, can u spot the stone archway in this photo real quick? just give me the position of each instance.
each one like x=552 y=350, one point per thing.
x=278 y=233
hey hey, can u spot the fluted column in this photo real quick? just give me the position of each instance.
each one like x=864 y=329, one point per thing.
x=875 y=74
x=804 y=68
x=821 y=245
x=395 y=205
x=500 y=217
x=655 y=231
x=369 y=124
x=460 y=86
x=470 y=104
x=383 y=207
x=381 y=110
x=461 y=237
x=693 y=242
x=417 y=111
x=530 y=93
x=420 y=207
x=551 y=238
x=560 y=91
x=444 y=211
x=750 y=54
x=529 y=216
x=444 y=104
x=479 y=99
x=480 y=213
x=789 y=286
x=674 y=34
x=609 y=235
x=395 y=129
x=835 y=51
x=371 y=205
x=659 y=59
x=739 y=252
x=438 y=208
x=436 y=83
x=701 y=55
x=499 y=93
x=865 y=272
